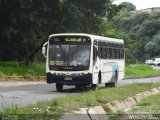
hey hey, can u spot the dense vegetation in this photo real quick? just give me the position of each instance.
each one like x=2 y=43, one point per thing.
x=26 y=25
x=144 y=29
x=18 y=71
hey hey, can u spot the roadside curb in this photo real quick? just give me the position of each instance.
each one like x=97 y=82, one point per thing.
x=94 y=113
x=98 y=112
x=127 y=104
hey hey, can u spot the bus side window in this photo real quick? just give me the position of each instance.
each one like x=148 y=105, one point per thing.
x=112 y=53
x=108 y=53
x=121 y=54
x=117 y=53
x=103 y=53
x=100 y=52
x=94 y=53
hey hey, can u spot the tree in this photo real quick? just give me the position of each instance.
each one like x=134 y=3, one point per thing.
x=25 y=25
x=141 y=27
x=153 y=47
x=22 y=29
x=126 y=7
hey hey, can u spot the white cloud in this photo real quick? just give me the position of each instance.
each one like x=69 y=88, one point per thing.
x=141 y=4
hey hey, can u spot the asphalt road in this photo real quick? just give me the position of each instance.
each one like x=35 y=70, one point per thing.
x=30 y=94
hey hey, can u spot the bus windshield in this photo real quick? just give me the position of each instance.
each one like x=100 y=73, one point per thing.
x=69 y=53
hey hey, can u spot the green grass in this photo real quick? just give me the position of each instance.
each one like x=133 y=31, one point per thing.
x=149 y=104
x=76 y=101
x=140 y=70
x=19 y=70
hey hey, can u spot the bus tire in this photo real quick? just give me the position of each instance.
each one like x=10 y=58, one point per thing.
x=114 y=83
x=108 y=85
x=59 y=87
x=115 y=79
x=93 y=86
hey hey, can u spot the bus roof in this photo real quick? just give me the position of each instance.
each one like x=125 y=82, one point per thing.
x=95 y=37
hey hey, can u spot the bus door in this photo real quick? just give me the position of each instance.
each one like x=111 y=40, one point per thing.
x=95 y=65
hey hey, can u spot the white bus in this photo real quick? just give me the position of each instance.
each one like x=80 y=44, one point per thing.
x=83 y=59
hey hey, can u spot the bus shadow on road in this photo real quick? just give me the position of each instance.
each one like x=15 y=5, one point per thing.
x=75 y=90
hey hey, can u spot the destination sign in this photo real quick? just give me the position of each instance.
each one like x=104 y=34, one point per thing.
x=70 y=39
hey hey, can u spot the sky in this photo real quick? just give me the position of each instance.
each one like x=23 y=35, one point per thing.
x=141 y=4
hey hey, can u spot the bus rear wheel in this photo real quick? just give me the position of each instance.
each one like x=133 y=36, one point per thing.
x=114 y=83
x=59 y=86
x=108 y=84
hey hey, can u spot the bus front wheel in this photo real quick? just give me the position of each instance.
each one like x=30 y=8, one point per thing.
x=59 y=86
x=94 y=86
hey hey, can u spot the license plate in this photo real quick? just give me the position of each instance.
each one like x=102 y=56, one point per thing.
x=68 y=78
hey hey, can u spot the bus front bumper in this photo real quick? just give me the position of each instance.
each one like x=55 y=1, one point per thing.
x=69 y=79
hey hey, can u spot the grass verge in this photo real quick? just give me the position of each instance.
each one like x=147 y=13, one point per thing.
x=140 y=70
x=13 y=70
x=149 y=104
x=90 y=98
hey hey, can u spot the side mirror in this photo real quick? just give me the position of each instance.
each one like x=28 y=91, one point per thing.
x=44 y=49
